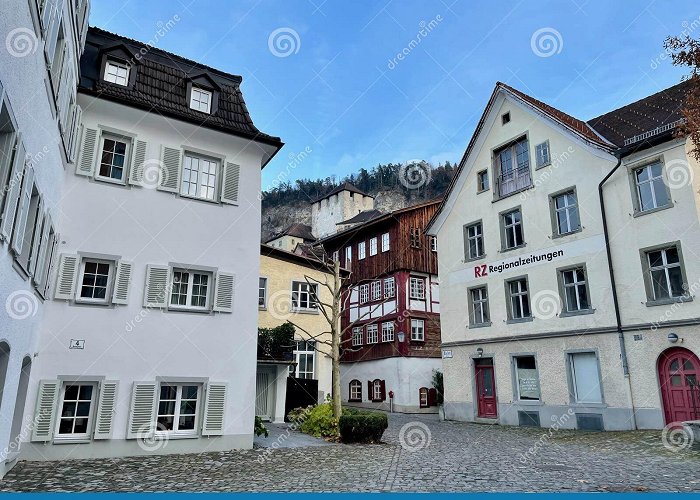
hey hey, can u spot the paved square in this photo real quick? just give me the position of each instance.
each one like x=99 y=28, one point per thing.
x=458 y=457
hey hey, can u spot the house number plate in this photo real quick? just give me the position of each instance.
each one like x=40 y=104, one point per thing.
x=76 y=344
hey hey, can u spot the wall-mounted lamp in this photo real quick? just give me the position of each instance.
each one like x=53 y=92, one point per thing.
x=480 y=352
x=672 y=338
x=401 y=336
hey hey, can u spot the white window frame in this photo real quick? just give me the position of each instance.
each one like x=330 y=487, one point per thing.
x=653 y=181
x=304 y=292
x=433 y=244
x=479 y=306
x=364 y=293
x=309 y=351
x=376 y=390
x=522 y=296
x=576 y=285
x=417 y=330
x=417 y=288
x=511 y=226
x=664 y=267
x=127 y=154
x=357 y=336
x=575 y=396
x=81 y=278
x=190 y=286
x=482 y=181
x=385 y=242
x=372 y=333
x=389 y=287
x=376 y=290
x=475 y=235
x=93 y=403
x=262 y=292
x=373 y=246
x=198 y=101
x=122 y=72
x=202 y=160
x=348 y=256
x=355 y=390
x=361 y=250
x=176 y=418
x=388 y=331
x=568 y=210
x=542 y=155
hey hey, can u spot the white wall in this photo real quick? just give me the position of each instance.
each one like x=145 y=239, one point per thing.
x=129 y=343
x=24 y=77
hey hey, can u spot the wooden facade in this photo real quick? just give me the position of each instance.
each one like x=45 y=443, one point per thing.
x=410 y=255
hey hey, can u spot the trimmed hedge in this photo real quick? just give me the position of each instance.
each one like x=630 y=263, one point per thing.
x=362 y=426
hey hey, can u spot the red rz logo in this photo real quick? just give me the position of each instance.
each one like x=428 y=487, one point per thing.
x=480 y=271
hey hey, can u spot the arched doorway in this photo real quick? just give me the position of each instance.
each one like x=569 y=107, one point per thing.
x=18 y=418
x=679 y=372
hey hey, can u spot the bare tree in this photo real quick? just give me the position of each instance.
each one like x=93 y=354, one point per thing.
x=685 y=51
x=334 y=281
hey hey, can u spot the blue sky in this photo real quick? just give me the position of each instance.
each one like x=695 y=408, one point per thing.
x=339 y=92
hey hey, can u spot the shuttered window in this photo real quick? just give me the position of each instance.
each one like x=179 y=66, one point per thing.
x=114 y=158
x=76 y=408
x=190 y=289
x=355 y=390
x=178 y=408
x=89 y=280
x=199 y=177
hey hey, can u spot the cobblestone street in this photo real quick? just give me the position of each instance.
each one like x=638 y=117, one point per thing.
x=457 y=457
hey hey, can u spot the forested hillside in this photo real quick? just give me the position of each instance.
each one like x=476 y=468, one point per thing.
x=393 y=185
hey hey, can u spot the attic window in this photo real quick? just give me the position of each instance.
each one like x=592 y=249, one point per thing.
x=505 y=118
x=117 y=72
x=200 y=100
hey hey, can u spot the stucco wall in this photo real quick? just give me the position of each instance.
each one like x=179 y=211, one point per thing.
x=129 y=343
x=280 y=274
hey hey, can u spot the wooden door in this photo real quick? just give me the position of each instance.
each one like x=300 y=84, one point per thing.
x=485 y=388
x=679 y=372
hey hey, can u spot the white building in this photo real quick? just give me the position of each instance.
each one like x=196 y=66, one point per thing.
x=539 y=323
x=39 y=120
x=341 y=204
x=148 y=340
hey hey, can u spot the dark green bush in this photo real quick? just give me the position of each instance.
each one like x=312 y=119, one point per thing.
x=362 y=426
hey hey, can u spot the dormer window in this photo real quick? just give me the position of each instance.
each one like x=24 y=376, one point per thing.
x=200 y=100
x=116 y=72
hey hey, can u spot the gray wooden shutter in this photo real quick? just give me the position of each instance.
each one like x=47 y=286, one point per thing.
x=142 y=414
x=15 y=187
x=45 y=411
x=170 y=170
x=157 y=286
x=137 y=163
x=40 y=264
x=122 y=282
x=50 y=258
x=223 y=292
x=86 y=164
x=229 y=189
x=214 y=409
x=23 y=210
x=67 y=276
x=52 y=25
x=106 y=406
x=76 y=124
x=36 y=237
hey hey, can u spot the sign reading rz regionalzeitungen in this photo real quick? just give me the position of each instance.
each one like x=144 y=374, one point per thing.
x=585 y=246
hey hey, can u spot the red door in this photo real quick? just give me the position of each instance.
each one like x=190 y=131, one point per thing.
x=485 y=388
x=679 y=371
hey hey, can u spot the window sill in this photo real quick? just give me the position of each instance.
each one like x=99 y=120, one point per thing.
x=567 y=314
x=519 y=320
x=71 y=440
x=640 y=213
x=528 y=402
x=506 y=250
x=479 y=325
x=176 y=435
x=564 y=235
x=109 y=180
x=83 y=302
x=480 y=257
x=665 y=302
x=482 y=191
x=582 y=406
x=354 y=401
x=544 y=165
x=262 y=308
x=189 y=310
x=420 y=341
x=305 y=311
x=215 y=201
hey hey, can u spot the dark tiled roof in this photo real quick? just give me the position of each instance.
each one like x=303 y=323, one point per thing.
x=345 y=186
x=296 y=229
x=363 y=216
x=161 y=86
x=567 y=120
x=310 y=251
x=644 y=116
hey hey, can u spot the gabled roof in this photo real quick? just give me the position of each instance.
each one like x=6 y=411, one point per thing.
x=297 y=230
x=648 y=117
x=303 y=260
x=161 y=86
x=383 y=217
x=345 y=186
x=364 y=216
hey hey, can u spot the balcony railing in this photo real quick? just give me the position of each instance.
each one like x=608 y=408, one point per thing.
x=514 y=180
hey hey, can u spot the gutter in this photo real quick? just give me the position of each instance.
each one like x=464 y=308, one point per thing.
x=618 y=321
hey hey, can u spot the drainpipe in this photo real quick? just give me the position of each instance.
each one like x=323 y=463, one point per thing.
x=616 y=305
